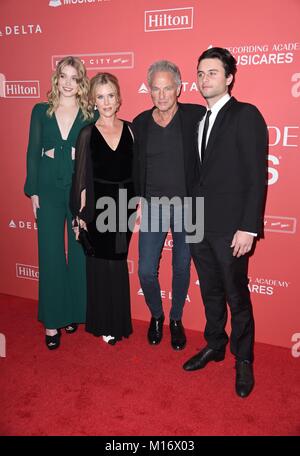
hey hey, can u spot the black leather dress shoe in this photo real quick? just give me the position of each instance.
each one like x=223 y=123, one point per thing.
x=155 y=331
x=178 y=338
x=200 y=360
x=244 y=381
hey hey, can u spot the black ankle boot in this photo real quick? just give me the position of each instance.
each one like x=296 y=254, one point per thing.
x=155 y=331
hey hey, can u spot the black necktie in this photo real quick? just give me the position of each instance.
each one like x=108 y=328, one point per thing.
x=205 y=128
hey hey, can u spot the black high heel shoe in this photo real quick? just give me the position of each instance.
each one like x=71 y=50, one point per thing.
x=53 y=342
x=70 y=329
x=112 y=341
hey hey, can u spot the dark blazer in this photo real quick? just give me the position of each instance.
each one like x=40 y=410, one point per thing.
x=190 y=115
x=233 y=176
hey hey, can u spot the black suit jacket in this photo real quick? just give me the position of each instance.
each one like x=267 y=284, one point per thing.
x=189 y=115
x=233 y=176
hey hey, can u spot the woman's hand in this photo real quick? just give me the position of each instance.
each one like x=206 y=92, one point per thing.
x=76 y=223
x=35 y=204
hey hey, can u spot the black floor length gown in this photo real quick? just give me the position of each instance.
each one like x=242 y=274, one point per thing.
x=108 y=293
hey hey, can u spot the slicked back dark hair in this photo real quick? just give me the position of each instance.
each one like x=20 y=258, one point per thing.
x=227 y=59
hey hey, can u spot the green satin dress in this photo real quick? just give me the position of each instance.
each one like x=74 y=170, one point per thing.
x=62 y=269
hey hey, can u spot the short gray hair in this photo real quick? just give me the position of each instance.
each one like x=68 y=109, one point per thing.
x=164 y=65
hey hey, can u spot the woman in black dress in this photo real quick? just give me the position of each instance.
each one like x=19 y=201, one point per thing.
x=103 y=173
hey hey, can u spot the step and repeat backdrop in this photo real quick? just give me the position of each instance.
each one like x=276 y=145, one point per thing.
x=124 y=37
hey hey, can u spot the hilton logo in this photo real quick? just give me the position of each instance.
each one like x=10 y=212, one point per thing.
x=103 y=61
x=26 y=271
x=20 y=89
x=169 y=19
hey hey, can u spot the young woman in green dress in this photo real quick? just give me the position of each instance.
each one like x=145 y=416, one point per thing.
x=54 y=128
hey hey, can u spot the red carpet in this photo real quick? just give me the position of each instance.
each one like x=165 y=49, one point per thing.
x=87 y=387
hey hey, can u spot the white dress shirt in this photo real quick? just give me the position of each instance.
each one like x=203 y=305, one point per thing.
x=214 y=112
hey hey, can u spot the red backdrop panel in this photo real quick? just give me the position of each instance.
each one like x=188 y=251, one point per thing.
x=125 y=37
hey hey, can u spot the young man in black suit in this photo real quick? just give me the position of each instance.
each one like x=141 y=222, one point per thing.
x=232 y=140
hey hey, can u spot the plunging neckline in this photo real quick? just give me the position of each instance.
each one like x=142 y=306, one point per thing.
x=114 y=150
x=58 y=127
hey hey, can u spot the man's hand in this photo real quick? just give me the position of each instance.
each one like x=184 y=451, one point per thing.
x=241 y=243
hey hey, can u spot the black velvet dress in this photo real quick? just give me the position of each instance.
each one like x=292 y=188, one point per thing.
x=103 y=172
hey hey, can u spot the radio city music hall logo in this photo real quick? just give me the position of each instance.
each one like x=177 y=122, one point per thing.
x=19 y=89
x=279 y=224
x=102 y=61
x=169 y=19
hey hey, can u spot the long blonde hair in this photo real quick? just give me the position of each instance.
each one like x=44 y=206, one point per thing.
x=83 y=87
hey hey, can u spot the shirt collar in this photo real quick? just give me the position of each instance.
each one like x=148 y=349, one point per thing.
x=219 y=105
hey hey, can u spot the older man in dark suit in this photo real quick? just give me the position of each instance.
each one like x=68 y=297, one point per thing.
x=233 y=142
x=165 y=163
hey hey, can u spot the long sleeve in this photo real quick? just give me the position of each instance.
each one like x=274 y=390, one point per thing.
x=253 y=143
x=83 y=177
x=34 y=151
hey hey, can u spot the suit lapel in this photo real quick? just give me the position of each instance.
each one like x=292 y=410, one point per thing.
x=216 y=130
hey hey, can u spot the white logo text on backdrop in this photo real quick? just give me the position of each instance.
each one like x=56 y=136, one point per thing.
x=169 y=19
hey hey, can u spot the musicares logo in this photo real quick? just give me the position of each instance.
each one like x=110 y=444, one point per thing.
x=169 y=19
x=55 y=3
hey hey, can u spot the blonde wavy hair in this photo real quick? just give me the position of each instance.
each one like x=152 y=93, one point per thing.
x=102 y=79
x=83 y=87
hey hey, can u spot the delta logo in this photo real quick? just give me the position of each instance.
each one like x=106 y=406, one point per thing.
x=186 y=87
x=19 y=89
x=169 y=19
